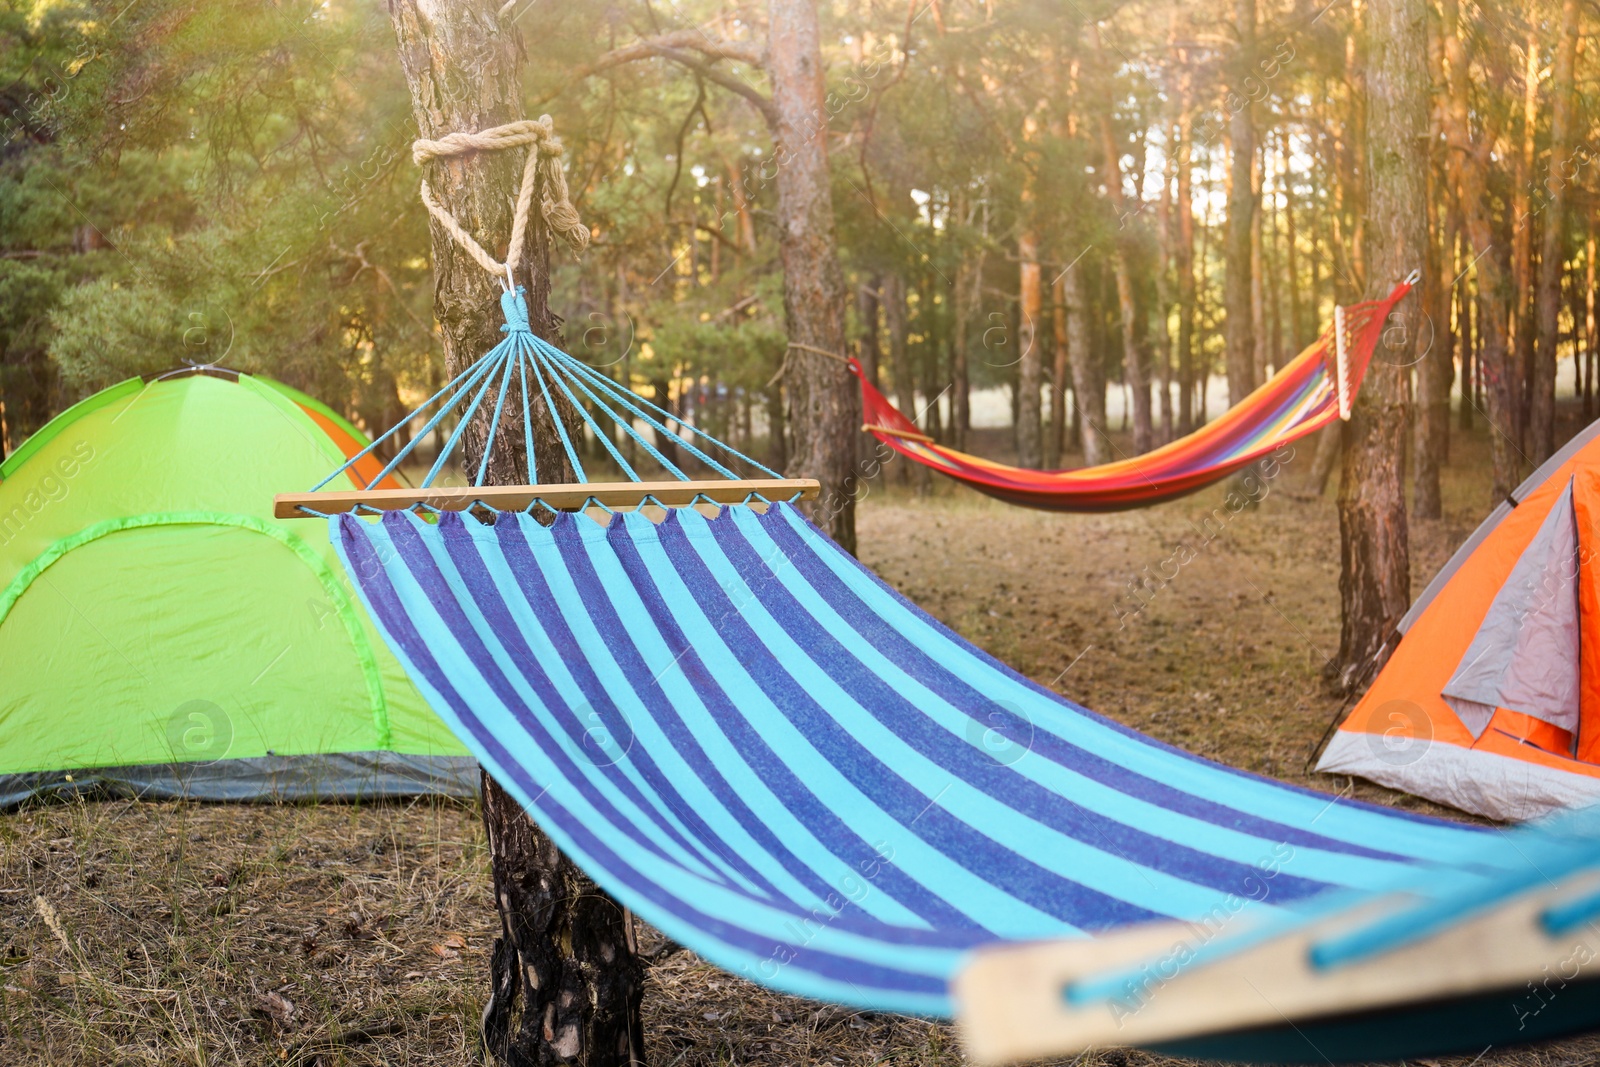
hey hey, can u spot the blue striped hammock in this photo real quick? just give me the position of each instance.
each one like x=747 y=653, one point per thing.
x=778 y=761
x=754 y=743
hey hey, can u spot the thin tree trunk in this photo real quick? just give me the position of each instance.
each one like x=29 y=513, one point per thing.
x=1552 y=250
x=930 y=324
x=969 y=283
x=892 y=296
x=1164 y=283
x=1185 y=262
x=1087 y=380
x=1030 y=354
x=1291 y=259
x=1374 y=579
x=826 y=405
x=1237 y=285
x=1574 y=298
x=1466 y=315
x=867 y=349
x=1591 y=329
x=1272 y=268
x=1056 y=442
x=1470 y=159
x=1436 y=367
x=565 y=984
x=1136 y=370
x=1258 y=302
x=1521 y=223
x=777 y=429
x=1330 y=446
x=741 y=206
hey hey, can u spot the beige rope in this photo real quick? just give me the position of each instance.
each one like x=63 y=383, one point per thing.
x=544 y=161
x=819 y=351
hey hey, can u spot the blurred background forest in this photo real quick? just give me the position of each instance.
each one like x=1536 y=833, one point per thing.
x=1052 y=214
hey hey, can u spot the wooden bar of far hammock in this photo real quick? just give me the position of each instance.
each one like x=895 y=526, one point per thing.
x=872 y=427
x=567 y=497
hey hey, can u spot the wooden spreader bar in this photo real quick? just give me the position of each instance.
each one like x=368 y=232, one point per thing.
x=872 y=427
x=564 y=497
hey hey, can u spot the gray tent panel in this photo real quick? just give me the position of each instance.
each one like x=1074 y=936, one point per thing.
x=1524 y=656
x=337 y=776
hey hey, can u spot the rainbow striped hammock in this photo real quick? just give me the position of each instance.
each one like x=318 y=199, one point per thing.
x=1315 y=388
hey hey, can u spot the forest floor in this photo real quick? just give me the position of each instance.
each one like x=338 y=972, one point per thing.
x=168 y=933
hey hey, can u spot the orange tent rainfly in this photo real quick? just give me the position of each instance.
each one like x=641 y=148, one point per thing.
x=1491 y=702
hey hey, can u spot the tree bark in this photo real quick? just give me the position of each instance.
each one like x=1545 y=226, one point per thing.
x=825 y=405
x=1136 y=370
x=1521 y=222
x=1552 y=250
x=1056 y=441
x=892 y=295
x=1435 y=370
x=1185 y=261
x=1030 y=352
x=1470 y=162
x=1259 y=357
x=564 y=984
x=867 y=350
x=969 y=285
x=566 y=951
x=1237 y=285
x=1374 y=580
x=930 y=322
x=1591 y=328
x=1291 y=258
x=1088 y=381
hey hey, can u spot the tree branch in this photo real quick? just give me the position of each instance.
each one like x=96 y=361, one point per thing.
x=685 y=47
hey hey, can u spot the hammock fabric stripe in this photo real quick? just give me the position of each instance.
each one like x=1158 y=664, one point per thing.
x=1298 y=400
x=746 y=737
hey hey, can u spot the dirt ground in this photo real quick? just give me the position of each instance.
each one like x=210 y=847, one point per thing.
x=163 y=933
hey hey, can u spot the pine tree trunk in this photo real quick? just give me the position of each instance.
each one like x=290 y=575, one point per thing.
x=1060 y=367
x=1470 y=160
x=1135 y=360
x=1435 y=370
x=1591 y=329
x=825 y=404
x=1088 y=380
x=1436 y=365
x=1291 y=258
x=1521 y=222
x=931 y=326
x=1552 y=250
x=1466 y=313
x=893 y=298
x=968 y=297
x=1185 y=266
x=1030 y=350
x=1237 y=286
x=564 y=983
x=1258 y=301
x=868 y=353
x=1374 y=579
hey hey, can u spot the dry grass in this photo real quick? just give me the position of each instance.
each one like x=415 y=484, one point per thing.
x=160 y=933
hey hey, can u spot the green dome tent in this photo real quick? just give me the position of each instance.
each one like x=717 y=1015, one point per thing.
x=162 y=635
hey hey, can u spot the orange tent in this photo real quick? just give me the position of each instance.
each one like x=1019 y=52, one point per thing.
x=1491 y=702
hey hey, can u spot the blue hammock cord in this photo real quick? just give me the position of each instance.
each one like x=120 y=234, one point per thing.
x=529 y=363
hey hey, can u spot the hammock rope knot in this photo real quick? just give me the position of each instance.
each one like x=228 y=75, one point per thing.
x=515 y=309
x=543 y=165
